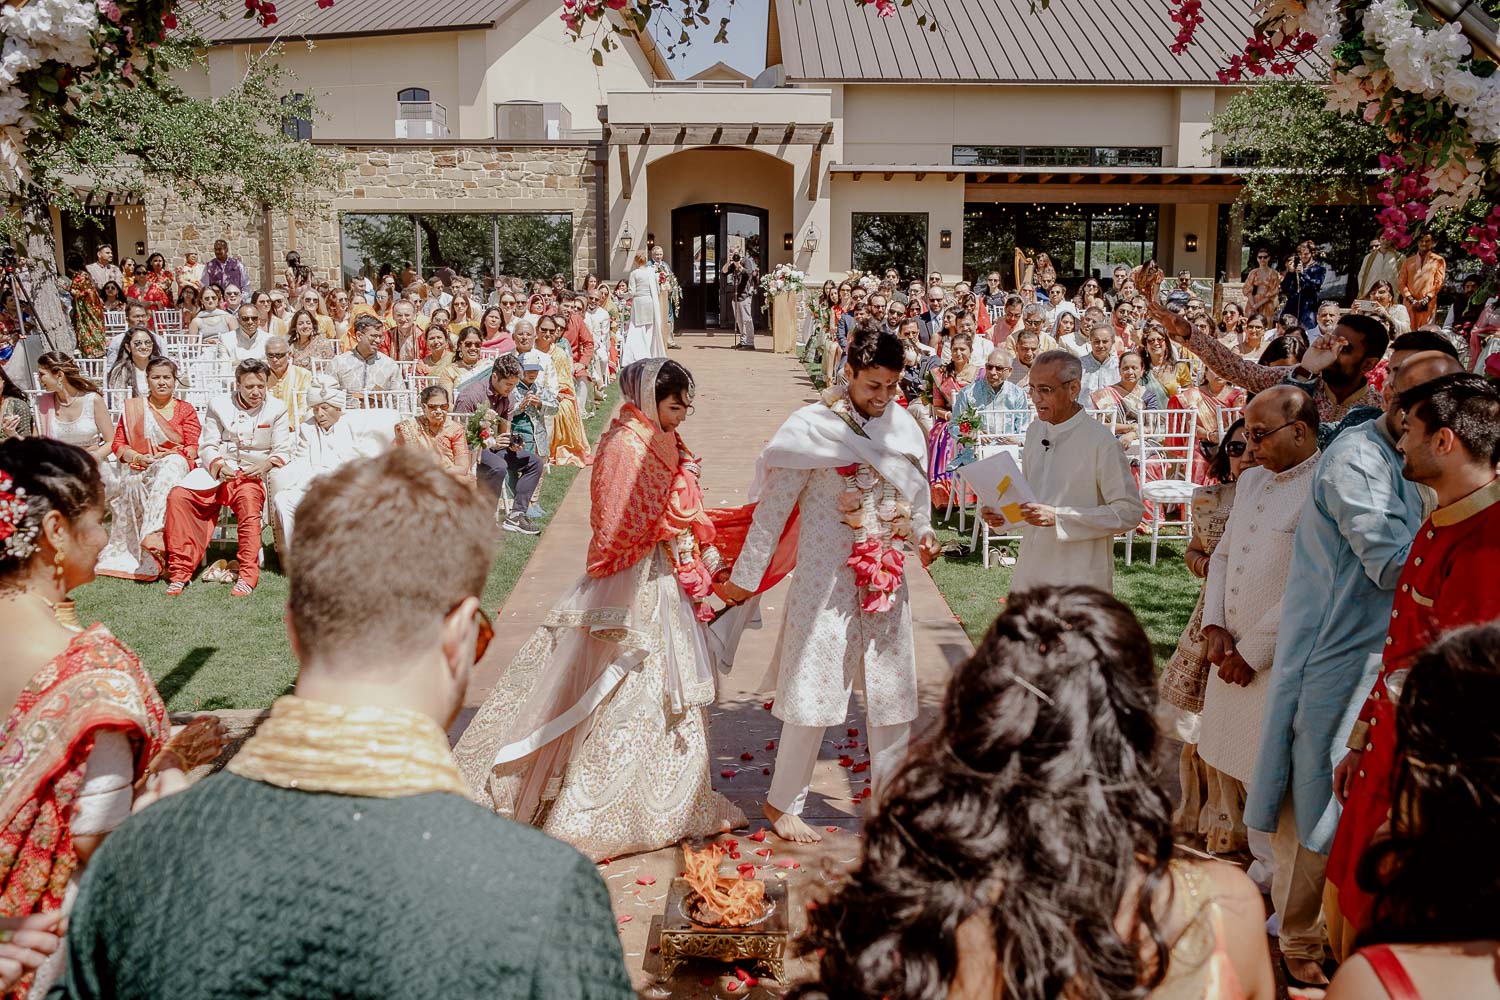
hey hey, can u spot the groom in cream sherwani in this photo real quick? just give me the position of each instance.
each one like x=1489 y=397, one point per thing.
x=829 y=644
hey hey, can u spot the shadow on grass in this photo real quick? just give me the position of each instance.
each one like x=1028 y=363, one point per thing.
x=187 y=668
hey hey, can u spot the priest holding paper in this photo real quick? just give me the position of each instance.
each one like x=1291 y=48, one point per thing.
x=1081 y=479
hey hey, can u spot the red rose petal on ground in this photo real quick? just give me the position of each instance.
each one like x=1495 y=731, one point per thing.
x=765 y=770
x=624 y=919
x=742 y=975
x=726 y=773
x=853 y=732
x=734 y=855
x=748 y=876
x=745 y=868
x=764 y=852
x=831 y=829
x=865 y=794
x=729 y=843
x=767 y=705
x=732 y=986
x=770 y=744
x=747 y=755
x=751 y=983
x=863 y=765
x=787 y=863
x=646 y=880
x=853 y=744
x=759 y=836
x=656 y=949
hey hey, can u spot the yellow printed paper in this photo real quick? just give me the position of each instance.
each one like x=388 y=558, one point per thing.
x=998 y=482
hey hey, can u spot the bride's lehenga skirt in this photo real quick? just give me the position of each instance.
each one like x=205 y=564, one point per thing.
x=601 y=721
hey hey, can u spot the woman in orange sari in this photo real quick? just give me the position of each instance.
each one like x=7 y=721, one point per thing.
x=569 y=444
x=597 y=732
x=156 y=442
x=85 y=736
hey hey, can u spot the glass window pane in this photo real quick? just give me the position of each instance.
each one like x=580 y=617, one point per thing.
x=1057 y=156
x=1128 y=156
x=536 y=244
x=368 y=242
x=987 y=155
x=890 y=239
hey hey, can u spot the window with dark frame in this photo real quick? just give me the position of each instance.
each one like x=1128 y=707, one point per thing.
x=294 y=125
x=1057 y=156
x=879 y=240
x=414 y=94
x=516 y=244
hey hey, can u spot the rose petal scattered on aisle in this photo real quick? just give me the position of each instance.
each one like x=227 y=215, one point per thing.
x=770 y=744
x=863 y=765
x=831 y=829
x=765 y=770
x=729 y=843
x=767 y=705
x=726 y=773
x=758 y=836
x=787 y=863
x=764 y=852
x=624 y=918
x=747 y=755
x=853 y=732
x=646 y=880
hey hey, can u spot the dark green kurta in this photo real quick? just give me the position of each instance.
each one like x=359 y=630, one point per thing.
x=235 y=888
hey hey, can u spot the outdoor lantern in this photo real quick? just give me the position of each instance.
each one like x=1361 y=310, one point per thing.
x=1190 y=242
x=627 y=239
x=786 y=242
x=140 y=247
x=945 y=239
x=810 y=241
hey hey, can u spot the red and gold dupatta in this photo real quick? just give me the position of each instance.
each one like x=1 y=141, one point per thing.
x=135 y=417
x=95 y=684
x=634 y=467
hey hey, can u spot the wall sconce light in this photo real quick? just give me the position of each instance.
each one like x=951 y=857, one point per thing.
x=810 y=241
x=627 y=239
x=1190 y=242
x=650 y=239
x=786 y=242
x=945 y=239
x=140 y=247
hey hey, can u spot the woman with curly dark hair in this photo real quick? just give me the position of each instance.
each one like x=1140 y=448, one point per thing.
x=1026 y=850
x=1435 y=922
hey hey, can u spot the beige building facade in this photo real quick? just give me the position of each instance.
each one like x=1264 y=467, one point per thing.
x=476 y=136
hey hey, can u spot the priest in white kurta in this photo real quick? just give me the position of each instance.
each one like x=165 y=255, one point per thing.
x=830 y=645
x=1081 y=479
x=326 y=440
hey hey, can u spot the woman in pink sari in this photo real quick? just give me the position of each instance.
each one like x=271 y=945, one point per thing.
x=1207 y=400
x=156 y=442
x=597 y=732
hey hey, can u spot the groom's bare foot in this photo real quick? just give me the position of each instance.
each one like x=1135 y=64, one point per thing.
x=789 y=827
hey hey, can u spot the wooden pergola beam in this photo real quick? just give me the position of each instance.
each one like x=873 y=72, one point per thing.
x=625 y=187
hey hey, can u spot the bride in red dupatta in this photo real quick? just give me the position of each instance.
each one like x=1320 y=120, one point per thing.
x=597 y=731
x=85 y=738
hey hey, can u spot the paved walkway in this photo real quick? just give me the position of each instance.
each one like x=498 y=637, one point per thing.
x=742 y=399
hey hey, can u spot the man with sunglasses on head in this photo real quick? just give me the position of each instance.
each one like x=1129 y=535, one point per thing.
x=339 y=850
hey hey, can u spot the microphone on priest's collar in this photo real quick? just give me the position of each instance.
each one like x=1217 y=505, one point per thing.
x=1046 y=445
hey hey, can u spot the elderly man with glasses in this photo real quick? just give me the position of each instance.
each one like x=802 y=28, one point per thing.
x=287 y=382
x=1004 y=411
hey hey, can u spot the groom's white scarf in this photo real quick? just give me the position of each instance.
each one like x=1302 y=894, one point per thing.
x=818 y=437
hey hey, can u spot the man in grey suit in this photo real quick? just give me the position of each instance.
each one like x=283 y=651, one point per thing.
x=745 y=275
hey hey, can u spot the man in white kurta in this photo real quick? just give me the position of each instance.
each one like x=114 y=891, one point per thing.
x=328 y=439
x=1081 y=479
x=830 y=645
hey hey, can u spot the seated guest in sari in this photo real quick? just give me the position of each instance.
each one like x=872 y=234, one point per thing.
x=513 y=456
x=597 y=731
x=437 y=355
x=568 y=445
x=1207 y=401
x=156 y=442
x=468 y=364
x=1127 y=398
x=85 y=738
x=306 y=343
x=349 y=785
x=1045 y=865
x=439 y=435
x=327 y=440
x=1164 y=373
x=943 y=385
x=990 y=396
x=288 y=382
x=245 y=436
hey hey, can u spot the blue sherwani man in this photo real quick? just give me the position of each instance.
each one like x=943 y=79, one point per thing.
x=1350 y=546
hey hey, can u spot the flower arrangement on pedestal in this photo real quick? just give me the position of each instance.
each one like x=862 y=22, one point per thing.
x=782 y=278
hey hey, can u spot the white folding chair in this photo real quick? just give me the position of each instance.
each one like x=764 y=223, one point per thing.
x=1108 y=417
x=1165 y=445
x=114 y=322
x=167 y=321
x=91 y=368
x=998 y=425
x=1227 y=416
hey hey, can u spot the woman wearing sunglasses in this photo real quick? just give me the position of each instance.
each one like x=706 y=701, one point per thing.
x=1204 y=810
x=597 y=732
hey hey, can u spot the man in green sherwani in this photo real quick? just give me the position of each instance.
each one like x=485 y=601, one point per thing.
x=339 y=854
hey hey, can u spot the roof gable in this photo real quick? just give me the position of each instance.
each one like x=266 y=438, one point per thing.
x=347 y=18
x=1005 y=41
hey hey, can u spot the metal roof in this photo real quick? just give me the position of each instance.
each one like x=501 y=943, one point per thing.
x=1004 y=41
x=304 y=19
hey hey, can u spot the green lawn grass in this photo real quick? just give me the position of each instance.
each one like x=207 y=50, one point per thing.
x=206 y=651
x=1162 y=596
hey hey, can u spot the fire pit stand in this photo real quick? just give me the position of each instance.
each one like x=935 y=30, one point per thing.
x=763 y=943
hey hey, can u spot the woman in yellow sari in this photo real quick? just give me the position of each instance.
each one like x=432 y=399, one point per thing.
x=569 y=444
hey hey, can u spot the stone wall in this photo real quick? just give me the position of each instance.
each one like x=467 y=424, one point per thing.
x=402 y=177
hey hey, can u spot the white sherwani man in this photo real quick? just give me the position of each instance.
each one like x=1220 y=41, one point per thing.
x=1246 y=578
x=328 y=439
x=643 y=338
x=832 y=645
x=1081 y=478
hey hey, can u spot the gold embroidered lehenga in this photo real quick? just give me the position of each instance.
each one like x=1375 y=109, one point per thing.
x=597 y=731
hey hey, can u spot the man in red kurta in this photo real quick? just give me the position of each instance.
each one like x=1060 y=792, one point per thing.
x=1452 y=444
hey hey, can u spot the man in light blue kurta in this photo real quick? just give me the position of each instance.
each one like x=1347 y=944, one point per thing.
x=1003 y=411
x=1350 y=545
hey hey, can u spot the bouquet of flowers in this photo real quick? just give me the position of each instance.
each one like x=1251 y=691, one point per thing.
x=783 y=278
x=966 y=426
x=668 y=282
x=487 y=429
